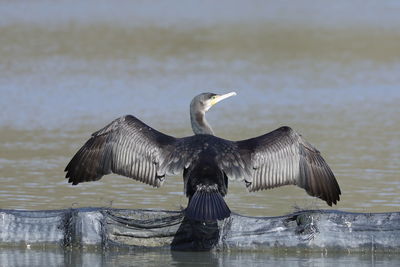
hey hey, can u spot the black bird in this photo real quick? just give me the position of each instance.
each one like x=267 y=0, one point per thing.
x=129 y=147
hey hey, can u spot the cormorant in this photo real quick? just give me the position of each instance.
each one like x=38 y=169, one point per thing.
x=129 y=147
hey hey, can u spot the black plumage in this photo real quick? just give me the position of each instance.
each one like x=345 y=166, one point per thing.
x=129 y=147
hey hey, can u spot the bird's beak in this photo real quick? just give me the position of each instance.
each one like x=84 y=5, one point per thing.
x=221 y=97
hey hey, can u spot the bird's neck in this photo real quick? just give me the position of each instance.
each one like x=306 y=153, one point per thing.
x=200 y=124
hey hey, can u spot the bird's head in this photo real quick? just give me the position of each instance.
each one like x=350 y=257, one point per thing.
x=203 y=102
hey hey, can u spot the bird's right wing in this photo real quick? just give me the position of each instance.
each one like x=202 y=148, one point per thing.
x=126 y=146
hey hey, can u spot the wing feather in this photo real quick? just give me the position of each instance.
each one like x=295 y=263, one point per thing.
x=283 y=157
x=127 y=147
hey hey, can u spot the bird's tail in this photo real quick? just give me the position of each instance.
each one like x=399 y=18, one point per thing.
x=207 y=204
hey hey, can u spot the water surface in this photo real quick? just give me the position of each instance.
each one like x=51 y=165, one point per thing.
x=27 y=257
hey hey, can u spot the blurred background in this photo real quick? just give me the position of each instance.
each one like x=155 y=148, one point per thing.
x=328 y=69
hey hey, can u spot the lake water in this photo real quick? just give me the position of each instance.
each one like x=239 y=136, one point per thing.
x=331 y=71
x=12 y=257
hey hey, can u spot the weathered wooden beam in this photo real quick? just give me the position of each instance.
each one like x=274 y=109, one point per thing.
x=313 y=230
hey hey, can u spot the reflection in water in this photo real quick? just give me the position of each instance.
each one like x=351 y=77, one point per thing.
x=196 y=236
x=58 y=257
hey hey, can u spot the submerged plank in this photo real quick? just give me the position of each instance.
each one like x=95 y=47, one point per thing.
x=314 y=230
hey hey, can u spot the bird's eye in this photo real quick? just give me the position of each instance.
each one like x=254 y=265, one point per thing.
x=213 y=97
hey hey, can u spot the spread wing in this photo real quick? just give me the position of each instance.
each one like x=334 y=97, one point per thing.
x=129 y=147
x=283 y=157
x=126 y=146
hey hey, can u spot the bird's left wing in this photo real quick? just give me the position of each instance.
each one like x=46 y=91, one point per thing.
x=278 y=158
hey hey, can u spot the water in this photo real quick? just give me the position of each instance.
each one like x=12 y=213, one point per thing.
x=328 y=70
x=165 y=258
